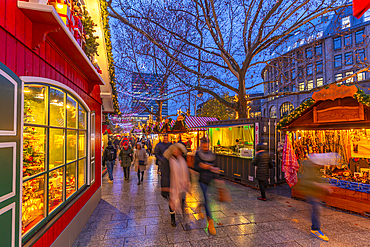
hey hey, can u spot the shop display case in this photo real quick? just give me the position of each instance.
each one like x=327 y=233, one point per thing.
x=54 y=152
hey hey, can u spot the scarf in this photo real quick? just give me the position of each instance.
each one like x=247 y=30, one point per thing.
x=179 y=181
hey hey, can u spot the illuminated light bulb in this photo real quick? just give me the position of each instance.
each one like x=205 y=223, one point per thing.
x=60 y=6
x=26 y=90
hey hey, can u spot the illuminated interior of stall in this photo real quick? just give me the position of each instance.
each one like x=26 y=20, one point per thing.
x=54 y=151
x=190 y=139
x=352 y=145
x=224 y=140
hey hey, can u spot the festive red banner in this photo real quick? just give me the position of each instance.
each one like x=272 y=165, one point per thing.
x=360 y=7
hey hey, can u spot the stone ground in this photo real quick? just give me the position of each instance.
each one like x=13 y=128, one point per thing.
x=137 y=215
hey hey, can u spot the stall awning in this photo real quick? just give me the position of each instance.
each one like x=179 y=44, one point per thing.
x=198 y=123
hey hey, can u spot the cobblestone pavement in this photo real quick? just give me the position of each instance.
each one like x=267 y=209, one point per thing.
x=137 y=215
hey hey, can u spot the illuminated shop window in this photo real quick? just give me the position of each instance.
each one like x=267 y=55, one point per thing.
x=285 y=109
x=273 y=112
x=54 y=152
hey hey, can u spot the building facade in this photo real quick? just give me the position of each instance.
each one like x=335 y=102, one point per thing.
x=146 y=88
x=50 y=127
x=339 y=49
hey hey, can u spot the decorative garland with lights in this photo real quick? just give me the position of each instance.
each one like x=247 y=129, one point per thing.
x=360 y=96
x=295 y=113
x=108 y=43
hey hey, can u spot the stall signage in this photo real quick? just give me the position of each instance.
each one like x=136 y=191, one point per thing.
x=334 y=92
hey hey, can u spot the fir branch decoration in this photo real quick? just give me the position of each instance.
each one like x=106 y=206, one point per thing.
x=295 y=113
x=108 y=44
x=91 y=46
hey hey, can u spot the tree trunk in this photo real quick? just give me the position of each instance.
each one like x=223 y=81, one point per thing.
x=159 y=112
x=242 y=107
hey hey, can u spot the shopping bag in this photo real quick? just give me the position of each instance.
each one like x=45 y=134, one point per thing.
x=224 y=194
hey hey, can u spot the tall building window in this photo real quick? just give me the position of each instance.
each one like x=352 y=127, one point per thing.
x=337 y=61
x=309 y=52
x=361 y=76
x=273 y=112
x=318 y=49
x=348 y=39
x=338 y=77
x=350 y=80
x=360 y=55
x=301 y=86
x=359 y=36
x=293 y=74
x=300 y=72
x=337 y=43
x=310 y=85
x=318 y=66
x=348 y=58
x=285 y=109
x=346 y=22
x=367 y=15
x=309 y=69
x=319 y=82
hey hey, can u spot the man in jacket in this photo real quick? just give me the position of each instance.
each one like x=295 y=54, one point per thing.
x=109 y=156
x=263 y=163
x=126 y=155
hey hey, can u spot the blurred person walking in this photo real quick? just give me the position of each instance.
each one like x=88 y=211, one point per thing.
x=205 y=165
x=263 y=163
x=126 y=156
x=311 y=184
x=109 y=157
x=140 y=162
x=177 y=175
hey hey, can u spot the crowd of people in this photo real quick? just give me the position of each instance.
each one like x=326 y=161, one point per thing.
x=175 y=174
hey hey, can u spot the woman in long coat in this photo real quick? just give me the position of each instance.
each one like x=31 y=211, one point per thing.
x=140 y=161
x=126 y=155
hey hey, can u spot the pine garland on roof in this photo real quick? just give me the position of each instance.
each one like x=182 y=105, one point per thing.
x=108 y=43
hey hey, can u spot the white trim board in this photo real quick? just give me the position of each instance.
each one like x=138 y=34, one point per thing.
x=5 y=209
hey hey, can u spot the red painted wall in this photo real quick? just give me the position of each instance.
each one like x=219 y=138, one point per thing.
x=49 y=62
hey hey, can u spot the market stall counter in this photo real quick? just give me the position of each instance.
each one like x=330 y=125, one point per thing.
x=234 y=142
x=335 y=120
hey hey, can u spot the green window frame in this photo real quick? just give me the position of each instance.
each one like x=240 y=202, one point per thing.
x=56 y=120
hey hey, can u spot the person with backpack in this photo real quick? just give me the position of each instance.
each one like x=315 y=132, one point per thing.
x=140 y=161
x=109 y=157
x=263 y=163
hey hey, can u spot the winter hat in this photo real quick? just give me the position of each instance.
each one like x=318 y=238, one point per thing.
x=168 y=153
x=109 y=143
x=261 y=146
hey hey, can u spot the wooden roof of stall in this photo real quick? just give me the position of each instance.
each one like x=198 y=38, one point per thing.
x=334 y=107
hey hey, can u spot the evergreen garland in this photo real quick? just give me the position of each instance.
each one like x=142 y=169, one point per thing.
x=362 y=97
x=91 y=46
x=108 y=43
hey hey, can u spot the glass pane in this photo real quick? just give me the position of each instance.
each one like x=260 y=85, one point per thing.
x=81 y=118
x=92 y=170
x=35 y=104
x=81 y=144
x=93 y=136
x=57 y=109
x=34 y=149
x=56 y=148
x=55 y=188
x=71 y=113
x=70 y=179
x=33 y=203
x=71 y=145
x=81 y=172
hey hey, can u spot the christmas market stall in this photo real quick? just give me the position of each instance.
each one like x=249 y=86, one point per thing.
x=52 y=95
x=234 y=143
x=335 y=120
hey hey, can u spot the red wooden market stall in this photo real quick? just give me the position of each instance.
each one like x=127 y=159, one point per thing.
x=50 y=131
x=336 y=119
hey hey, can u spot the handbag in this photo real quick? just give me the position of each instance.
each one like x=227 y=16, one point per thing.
x=224 y=194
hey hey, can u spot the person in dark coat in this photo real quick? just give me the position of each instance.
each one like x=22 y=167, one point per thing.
x=126 y=155
x=109 y=156
x=263 y=163
x=159 y=151
x=205 y=165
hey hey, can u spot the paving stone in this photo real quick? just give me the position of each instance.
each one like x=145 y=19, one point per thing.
x=132 y=215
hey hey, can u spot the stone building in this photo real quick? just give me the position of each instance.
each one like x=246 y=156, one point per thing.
x=338 y=48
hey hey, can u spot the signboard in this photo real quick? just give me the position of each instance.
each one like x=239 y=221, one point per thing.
x=334 y=92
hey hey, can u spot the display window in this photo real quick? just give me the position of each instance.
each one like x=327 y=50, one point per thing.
x=235 y=141
x=54 y=152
